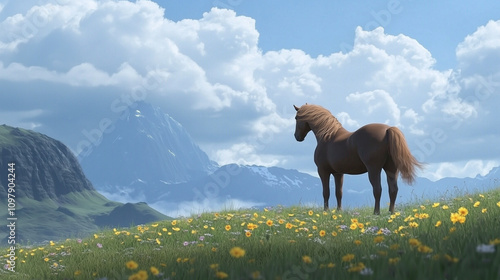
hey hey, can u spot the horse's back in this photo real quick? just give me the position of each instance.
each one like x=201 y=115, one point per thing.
x=371 y=142
x=371 y=132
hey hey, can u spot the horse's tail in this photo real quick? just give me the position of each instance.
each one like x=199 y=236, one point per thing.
x=400 y=153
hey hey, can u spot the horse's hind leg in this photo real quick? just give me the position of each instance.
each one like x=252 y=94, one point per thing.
x=339 y=181
x=392 y=182
x=374 y=176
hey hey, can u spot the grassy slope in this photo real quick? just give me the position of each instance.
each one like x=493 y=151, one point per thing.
x=39 y=220
x=72 y=216
x=411 y=246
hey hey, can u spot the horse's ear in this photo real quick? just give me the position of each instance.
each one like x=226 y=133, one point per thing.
x=296 y=108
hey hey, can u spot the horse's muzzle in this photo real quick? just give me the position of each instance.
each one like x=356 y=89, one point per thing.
x=298 y=138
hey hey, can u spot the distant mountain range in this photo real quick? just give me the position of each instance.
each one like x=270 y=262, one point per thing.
x=150 y=157
x=53 y=198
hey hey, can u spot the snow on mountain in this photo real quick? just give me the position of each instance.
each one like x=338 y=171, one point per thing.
x=146 y=148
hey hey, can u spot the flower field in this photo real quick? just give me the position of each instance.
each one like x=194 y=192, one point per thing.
x=457 y=238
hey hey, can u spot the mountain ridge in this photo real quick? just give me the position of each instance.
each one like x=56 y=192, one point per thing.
x=53 y=198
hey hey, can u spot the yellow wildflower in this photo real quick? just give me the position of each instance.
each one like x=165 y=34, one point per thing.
x=154 y=271
x=378 y=239
x=394 y=247
x=424 y=249
x=221 y=275
x=348 y=258
x=237 y=252
x=394 y=260
x=357 y=267
x=414 y=242
x=131 y=265
x=454 y=217
x=252 y=226
x=306 y=259
x=495 y=241
x=463 y=211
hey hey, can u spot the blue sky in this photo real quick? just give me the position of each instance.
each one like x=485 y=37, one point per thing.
x=324 y=27
x=230 y=70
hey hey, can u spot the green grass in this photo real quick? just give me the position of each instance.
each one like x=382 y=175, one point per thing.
x=6 y=139
x=407 y=245
x=72 y=215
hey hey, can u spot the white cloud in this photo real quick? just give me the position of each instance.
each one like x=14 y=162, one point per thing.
x=346 y=120
x=24 y=119
x=190 y=208
x=478 y=53
x=245 y=154
x=211 y=72
x=377 y=104
x=41 y=20
x=460 y=169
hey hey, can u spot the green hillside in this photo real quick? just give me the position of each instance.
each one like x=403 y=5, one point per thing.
x=457 y=238
x=52 y=198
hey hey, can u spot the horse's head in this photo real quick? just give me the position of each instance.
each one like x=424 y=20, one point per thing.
x=301 y=126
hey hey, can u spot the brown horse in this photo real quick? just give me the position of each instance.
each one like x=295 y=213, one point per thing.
x=370 y=149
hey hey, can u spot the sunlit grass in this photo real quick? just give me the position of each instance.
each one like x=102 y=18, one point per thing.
x=448 y=239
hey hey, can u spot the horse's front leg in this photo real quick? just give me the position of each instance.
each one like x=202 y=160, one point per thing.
x=325 y=181
x=339 y=181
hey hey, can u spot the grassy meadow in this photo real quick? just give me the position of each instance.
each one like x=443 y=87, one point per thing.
x=454 y=238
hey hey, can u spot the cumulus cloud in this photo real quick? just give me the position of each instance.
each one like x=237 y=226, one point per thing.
x=380 y=101
x=210 y=74
x=461 y=169
x=478 y=53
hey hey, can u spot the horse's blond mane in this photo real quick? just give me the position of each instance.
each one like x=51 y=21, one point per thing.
x=326 y=124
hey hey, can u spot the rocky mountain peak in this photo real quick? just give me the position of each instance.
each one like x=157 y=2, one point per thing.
x=146 y=146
